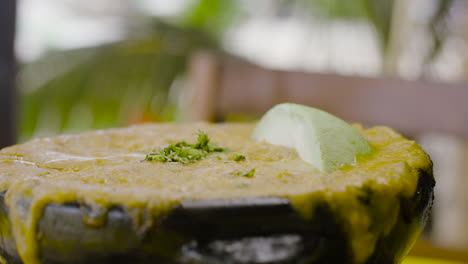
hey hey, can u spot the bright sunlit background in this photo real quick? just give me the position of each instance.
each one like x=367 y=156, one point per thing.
x=69 y=48
x=420 y=37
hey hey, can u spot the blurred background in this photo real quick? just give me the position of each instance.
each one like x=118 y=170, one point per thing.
x=95 y=64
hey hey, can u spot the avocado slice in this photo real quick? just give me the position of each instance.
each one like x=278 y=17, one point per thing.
x=320 y=138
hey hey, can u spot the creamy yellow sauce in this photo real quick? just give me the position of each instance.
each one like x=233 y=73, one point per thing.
x=106 y=168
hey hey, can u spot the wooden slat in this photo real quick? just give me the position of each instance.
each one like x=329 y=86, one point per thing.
x=7 y=72
x=409 y=106
x=202 y=88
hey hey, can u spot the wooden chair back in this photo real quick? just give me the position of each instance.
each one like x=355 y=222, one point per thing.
x=221 y=85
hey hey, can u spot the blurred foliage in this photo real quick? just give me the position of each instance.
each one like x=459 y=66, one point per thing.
x=377 y=12
x=380 y=14
x=339 y=9
x=438 y=28
x=211 y=16
x=131 y=81
x=106 y=86
x=121 y=83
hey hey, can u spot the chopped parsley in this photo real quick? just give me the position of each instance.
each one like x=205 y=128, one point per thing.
x=237 y=157
x=184 y=152
x=249 y=174
x=281 y=175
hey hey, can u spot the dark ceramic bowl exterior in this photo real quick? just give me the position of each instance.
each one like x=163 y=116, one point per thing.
x=250 y=230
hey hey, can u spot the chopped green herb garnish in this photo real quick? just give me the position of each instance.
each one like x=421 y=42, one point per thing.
x=280 y=175
x=237 y=157
x=184 y=152
x=215 y=148
x=249 y=174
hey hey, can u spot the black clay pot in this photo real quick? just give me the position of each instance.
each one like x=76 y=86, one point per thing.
x=250 y=230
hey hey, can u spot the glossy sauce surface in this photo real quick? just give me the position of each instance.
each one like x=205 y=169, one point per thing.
x=105 y=168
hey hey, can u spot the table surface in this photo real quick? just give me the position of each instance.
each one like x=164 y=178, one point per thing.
x=421 y=260
x=424 y=248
